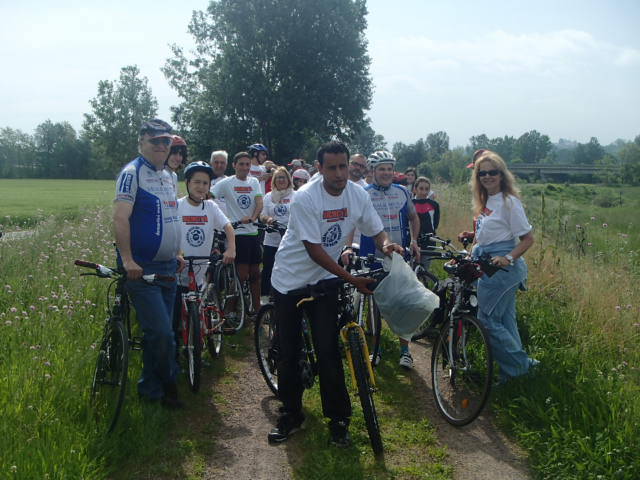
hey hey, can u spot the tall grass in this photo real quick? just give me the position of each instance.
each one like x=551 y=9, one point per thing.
x=579 y=414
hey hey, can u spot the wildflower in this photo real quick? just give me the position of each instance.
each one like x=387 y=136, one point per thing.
x=14 y=468
x=578 y=227
x=47 y=363
x=629 y=306
x=589 y=244
x=618 y=308
x=8 y=287
x=8 y=323
x=47 y=376
x=13 y=309
x=32 y=307
x=593 y=218
x=604 y=225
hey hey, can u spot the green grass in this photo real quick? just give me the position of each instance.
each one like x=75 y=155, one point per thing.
x=27 y=202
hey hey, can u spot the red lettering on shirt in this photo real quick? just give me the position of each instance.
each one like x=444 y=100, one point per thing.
x=194 y=219
x=335 y=215
x=241 y=189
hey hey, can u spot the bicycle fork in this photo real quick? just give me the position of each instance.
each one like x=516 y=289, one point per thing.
x=344 y=333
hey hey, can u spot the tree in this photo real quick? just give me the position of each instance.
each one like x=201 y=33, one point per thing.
x=629 y=156
x=59 y=153
x=366 y=140
x=409 y=155
x=437 y=145
x=532 y=147
x=280 y=72
x=588 y=153
x=17 y=154
x=119 y=109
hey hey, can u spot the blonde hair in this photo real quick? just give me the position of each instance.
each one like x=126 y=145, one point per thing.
x=507 y=180
x=287 y=175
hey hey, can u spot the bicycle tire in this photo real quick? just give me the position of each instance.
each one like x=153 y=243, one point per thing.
x=372 y=326
x=194 y=348
x=430 y=281
x=213 y=338
x=365 y=391
x=230 y=299
x=266 y=344
x=461 y=390
x=110 y=376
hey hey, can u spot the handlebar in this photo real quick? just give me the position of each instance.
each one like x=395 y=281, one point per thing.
x=107 y=272
x=274 y=227
x=323 y=287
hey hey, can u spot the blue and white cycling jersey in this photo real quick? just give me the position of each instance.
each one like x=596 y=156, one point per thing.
x=155 y=229
x=393 y=204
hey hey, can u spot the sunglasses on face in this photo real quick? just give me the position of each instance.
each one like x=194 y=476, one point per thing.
x=166 y=141
x=491 y=173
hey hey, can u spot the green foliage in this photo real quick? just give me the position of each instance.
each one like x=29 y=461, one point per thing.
x=588 y=153
x=118 y=110
x=17 y=154
x=532 y=147
x=366 y=140
x=283 y=72
x=437 y=145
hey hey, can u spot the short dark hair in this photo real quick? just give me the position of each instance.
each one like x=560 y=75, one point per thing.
x=240 y=155
x=334 y=146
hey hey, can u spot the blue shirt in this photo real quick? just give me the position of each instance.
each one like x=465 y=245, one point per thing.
x=154 y=225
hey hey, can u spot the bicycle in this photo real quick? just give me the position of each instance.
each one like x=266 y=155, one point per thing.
x=201 y=322
x=352 y=335
x=461 y=359
x=110 y=376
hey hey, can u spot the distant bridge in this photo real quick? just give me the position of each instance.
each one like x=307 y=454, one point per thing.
x=546 y=169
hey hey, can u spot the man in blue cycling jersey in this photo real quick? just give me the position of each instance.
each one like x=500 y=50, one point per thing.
x=147 y=232
x=398 y=214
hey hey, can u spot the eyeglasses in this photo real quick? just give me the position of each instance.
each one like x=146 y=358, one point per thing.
x=491 y=173
x=361 y=165
x=166 y=141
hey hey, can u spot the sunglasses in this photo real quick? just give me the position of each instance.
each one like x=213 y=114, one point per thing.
x=166 y=141
x=491 y=173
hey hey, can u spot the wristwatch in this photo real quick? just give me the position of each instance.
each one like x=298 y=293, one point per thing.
x=510 y=258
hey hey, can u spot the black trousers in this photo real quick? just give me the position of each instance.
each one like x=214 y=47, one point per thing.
x=268 y=259
x=323 y=316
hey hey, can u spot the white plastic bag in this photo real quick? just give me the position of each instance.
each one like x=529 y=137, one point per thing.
x=403 y=301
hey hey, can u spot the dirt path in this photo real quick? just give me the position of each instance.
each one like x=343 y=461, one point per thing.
x=477 y=451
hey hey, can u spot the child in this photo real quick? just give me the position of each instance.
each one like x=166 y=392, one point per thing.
x=428 y=211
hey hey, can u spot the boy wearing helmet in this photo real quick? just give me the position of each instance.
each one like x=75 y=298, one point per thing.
x=260 y=166
x=198 y=219
x=398 y=214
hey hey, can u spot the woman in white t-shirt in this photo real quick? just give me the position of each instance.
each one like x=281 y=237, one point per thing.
x=500 y=223
x=275 y=208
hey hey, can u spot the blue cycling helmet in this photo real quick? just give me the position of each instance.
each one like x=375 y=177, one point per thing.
x=257 y=147
x=200 y=166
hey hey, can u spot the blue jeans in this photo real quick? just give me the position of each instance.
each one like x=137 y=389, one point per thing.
x=154 y=310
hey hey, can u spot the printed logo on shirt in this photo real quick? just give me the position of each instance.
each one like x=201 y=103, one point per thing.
x=194 y=219
x=195 y=236
x=244 y=201
x=170 y=204
x=335 y=215
x=125 y=183
x=280 y=210
x=241 y=189
x=486 y=212
x=332 y=236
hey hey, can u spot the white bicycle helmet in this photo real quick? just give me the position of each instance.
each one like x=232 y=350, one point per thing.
x=380 y=157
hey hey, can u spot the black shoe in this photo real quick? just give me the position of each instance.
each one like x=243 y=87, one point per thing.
x=339 y=433
x=170 y=399
x=288 y=423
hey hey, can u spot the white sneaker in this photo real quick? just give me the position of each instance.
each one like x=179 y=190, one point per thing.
x=406 y=360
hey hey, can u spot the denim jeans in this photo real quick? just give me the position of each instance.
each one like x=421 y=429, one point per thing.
x=154 y=310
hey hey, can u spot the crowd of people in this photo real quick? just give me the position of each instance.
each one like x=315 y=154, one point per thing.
x=340 y=203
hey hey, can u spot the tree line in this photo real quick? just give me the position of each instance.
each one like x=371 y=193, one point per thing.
x=286 y=73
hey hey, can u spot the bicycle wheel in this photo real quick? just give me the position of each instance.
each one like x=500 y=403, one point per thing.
x=428 y=327
x=461 y=379
x=109 y=384
x=213 y=338
x=372 y=325
x=266 y=343
x=194 y=348
x=230 y=300
x=365 y=390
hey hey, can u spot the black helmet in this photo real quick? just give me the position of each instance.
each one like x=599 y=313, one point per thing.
x=194 y=167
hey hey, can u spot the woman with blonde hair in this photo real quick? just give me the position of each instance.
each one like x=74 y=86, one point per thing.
x=275 y=208
x=500 y=222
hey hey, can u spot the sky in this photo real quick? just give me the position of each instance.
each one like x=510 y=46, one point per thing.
x=569 y=69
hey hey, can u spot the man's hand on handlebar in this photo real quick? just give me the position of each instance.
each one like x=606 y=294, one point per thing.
x=362 y=284
x=134 y=271
x=389 y=248
x=246 y=220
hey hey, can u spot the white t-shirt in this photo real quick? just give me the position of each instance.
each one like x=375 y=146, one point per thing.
x=240 y=200
x=279 y=212
x=356 y=234
x=502 y=219
x=196 y=234
x=257 y=171
x=219 y=201
x=318 y=217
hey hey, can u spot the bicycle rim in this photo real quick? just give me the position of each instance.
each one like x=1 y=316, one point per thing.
x=430 y=282
x=194 y=349
x=266 y=343
x=213 y=335
x=372 y=328
x=365 y=392
x=461 y=386
x=110 y=376
x=230 y=299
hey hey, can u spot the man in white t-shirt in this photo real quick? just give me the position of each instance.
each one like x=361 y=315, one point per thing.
x=198 y=219
x=321 y=216
x=243 y=199
x=219 y=159
x=357 y=169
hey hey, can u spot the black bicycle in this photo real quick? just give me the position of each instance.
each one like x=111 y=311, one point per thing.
x=109 y=384
x=461 y=359
x=354 y=340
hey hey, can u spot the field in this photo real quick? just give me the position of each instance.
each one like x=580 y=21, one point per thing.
x=577 y=417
